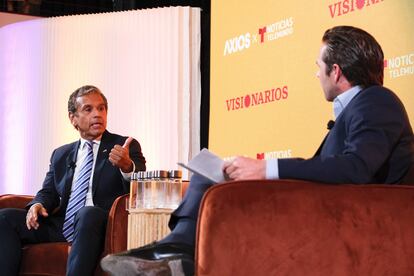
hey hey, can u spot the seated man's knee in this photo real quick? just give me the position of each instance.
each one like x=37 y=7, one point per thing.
x=11 y=214
x=90 y=217
x=12 y=218
x=200 y=182
x=4 y=214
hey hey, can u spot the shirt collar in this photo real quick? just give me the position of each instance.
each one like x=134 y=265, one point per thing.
x=343 y=99
x=83 y=141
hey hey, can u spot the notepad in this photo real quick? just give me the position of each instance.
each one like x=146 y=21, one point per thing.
x=206 y=164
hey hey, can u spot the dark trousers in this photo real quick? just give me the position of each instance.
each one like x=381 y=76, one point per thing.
x=87 y=246
x=184 y=219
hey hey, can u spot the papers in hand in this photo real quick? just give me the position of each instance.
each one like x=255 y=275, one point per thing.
x=206 y=164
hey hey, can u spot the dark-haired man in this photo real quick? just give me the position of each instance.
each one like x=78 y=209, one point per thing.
x=84 y=179
x=371 y=142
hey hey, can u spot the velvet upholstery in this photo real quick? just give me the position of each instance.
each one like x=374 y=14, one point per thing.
x=50 y=258
x=301 y=228
x=14 y=201
x=44 y=259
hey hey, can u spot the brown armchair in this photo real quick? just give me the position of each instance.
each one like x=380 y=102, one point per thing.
x=56 y=253
x=302 y=228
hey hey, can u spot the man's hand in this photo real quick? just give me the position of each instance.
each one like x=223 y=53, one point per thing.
x=33 y=214
x=119 y=156
x=244 y=168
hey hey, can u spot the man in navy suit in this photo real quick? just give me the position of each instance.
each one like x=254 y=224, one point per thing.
x=371 y=142
x=112 y=159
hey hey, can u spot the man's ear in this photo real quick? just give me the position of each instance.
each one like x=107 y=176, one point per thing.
x=337 y=71
x=73 y=120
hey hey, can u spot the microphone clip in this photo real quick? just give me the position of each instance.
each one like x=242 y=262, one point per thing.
x=72 y=165
x=330 y=125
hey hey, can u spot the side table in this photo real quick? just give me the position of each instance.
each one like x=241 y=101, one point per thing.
x=147 y=225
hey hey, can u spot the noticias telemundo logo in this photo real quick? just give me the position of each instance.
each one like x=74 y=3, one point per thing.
x=270 y=32
x=400 y=66
x=274 y=154
x=257 y=98
x=339 y=8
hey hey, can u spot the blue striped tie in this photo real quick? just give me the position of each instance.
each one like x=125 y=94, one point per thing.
x=78 y=196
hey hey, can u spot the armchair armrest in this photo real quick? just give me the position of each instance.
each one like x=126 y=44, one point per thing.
x=14 y=201
x=117 y=227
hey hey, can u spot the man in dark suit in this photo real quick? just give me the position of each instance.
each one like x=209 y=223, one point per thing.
x=84 y=179
x=371 y=142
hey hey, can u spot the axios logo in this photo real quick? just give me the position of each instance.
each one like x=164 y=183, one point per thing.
x=263 y=97
x=400 y=66
x=347 y=6
x=237 y=44
x=274 y=154
x=269 y=32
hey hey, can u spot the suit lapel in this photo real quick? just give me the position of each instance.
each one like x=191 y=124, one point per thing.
x=337 y=120
x=101 y=159
x=330 y=126
x=318 y=151
x=70 y=164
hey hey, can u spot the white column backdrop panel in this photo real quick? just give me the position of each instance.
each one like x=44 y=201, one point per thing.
x=146 y=62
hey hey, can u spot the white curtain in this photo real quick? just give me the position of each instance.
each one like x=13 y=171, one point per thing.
x=146 y=62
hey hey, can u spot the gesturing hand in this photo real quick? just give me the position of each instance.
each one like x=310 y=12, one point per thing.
x=32 y=215
x=244 y=168
x=119 y=156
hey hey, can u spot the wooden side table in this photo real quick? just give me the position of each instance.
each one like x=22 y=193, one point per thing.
x=147 y=225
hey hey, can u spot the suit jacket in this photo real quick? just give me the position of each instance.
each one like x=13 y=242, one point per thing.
x=108 y=182
x=371 y=142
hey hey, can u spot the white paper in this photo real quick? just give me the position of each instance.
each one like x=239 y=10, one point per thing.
x=206 y=164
